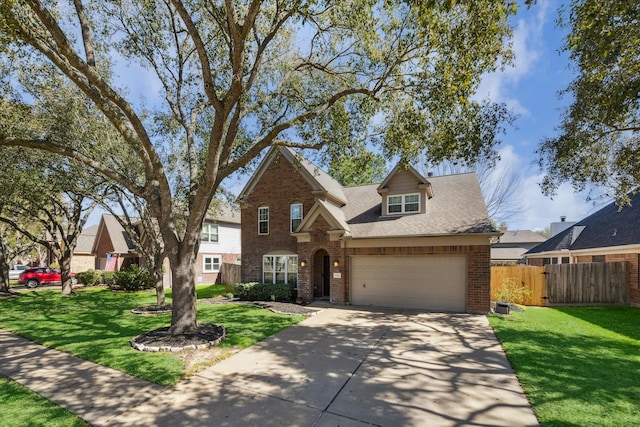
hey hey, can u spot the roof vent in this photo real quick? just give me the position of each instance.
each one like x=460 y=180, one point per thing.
x=563 y=218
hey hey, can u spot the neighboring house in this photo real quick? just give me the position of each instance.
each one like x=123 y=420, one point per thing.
x=608 y=235
x=114 y=249
x=83 y=257
x=408 y=242
x=219 y=244
x=513 y=245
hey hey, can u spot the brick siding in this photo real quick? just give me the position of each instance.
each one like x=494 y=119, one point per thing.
x=280 y=186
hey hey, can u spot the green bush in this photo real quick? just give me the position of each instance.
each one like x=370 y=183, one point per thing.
x=108 y=278
x=134 y=279
x=511 y=291
x=254 y=291
x=89 y=277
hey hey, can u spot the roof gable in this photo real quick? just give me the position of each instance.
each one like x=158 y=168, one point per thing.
x=319 y=180
x=331 y=213
x=111 y=229
x=405 y=176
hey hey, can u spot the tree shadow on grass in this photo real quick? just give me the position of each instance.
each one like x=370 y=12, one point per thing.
x=97 y=325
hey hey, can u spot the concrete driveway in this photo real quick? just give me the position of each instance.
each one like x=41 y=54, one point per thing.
x=353 y=367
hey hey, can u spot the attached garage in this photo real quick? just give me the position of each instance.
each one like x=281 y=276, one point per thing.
x=429 y=282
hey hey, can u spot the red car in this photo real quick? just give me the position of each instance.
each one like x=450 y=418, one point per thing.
x=34 y=277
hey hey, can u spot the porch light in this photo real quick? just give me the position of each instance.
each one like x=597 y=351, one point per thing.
x=336 y=263
x=303 y=263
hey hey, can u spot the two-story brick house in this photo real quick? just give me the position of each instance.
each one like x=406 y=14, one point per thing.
x=408 y=242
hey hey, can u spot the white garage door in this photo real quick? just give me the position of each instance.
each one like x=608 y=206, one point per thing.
x=428 y=282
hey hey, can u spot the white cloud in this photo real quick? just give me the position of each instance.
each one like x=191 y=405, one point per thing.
x=537 y=210
x=528 y=48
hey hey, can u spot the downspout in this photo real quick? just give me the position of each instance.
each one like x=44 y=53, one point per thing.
x=343 y=244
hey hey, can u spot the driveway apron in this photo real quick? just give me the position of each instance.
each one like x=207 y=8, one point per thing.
x=353 y=367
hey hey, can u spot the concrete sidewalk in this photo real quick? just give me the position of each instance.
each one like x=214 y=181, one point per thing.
x=91 y=391
x=344 y=367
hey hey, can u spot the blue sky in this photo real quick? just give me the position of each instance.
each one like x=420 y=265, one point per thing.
x=531 y=89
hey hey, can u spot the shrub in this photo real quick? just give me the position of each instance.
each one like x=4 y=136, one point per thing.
x=254 y=291
x=512 y=292
x=89 y=277
x=134 y=279
x=108 y=278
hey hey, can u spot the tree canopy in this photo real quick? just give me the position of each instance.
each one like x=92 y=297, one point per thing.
x=236 y=77
x=598 y=141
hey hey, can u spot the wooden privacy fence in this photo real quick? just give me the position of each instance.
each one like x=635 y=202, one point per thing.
x=532 y=279
x=588 y=283
x=229 y=274
x=583 y=283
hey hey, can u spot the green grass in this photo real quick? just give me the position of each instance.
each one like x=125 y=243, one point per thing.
x=22 y=407
x=207 y=291
x=97 y=325
x=578 y=366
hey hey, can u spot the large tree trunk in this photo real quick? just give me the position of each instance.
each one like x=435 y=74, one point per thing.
x=4 y=268
x=184 y=302
x=65 y=272
x=158 y=277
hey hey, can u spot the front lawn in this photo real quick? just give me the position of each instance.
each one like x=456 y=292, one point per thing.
x=22 y=407
x=578 y=365
x=96 y=325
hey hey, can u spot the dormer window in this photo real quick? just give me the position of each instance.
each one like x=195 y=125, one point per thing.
x=403 y=203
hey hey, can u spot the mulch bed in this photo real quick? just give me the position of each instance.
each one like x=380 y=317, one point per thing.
x=152 y=309
x=206 y=335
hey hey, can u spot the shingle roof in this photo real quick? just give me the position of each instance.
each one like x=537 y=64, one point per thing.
x=224 y=213
x=122 y=244
x=327 y=182
x=507 y=253
x=607 y=227
x=86 y=240
x=456 y=208
x=521 y=236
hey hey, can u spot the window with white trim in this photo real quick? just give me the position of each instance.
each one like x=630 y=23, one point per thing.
x=403 y=203
x=211 y=263
x=263 y=220
x=209 y=232
x=280 y=269
x=296 y=216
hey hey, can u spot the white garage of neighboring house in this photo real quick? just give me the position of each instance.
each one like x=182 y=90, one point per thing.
x=409 y=242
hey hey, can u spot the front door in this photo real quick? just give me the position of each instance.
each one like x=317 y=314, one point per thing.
x=326 y=278
x=321 y=271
